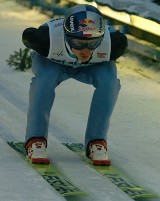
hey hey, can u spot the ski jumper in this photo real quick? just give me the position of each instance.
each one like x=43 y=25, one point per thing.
x=59 y=65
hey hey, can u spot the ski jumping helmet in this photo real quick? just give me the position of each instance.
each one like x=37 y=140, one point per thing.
x=84 y=21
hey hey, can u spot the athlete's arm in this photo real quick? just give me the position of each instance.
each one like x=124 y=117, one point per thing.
x=118 y=44
x=37 y=39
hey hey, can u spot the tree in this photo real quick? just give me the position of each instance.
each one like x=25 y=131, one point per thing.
x=21 y=59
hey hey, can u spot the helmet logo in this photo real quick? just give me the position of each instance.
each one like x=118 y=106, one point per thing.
x=86 y=25
x=86 y=22
x=72 y=23
x=86 y=28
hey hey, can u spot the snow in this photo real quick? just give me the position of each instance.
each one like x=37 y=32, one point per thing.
x=134 y=140
x=17 y=179
x=144 y=8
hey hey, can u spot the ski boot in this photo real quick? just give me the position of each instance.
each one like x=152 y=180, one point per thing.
x=97 y=152
x=36 y=151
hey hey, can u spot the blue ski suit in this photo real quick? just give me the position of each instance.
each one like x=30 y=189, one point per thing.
x=52 y=64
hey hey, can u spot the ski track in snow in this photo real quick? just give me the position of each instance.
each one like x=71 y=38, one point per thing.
x=134 y=132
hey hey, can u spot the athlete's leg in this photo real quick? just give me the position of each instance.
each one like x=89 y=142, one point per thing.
x=41 y=95
x=104 y=78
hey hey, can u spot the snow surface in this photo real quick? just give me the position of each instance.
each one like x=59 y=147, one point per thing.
x=133 y=138
x=143 y=8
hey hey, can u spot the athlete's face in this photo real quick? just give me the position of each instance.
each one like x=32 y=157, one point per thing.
x=83 y=55
x=83 y=49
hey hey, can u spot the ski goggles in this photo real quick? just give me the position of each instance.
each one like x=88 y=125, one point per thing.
x=80 y=44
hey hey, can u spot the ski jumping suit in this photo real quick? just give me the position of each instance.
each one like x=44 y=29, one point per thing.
x=60 y=64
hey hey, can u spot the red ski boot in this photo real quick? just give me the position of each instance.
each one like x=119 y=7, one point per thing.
x=36 y=151
x=97 y=152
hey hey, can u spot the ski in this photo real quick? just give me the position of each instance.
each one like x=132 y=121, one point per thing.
x=50 y=173
x=113 y=174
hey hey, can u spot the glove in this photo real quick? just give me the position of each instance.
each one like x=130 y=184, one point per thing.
x=118 y=44
x=37 y=39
